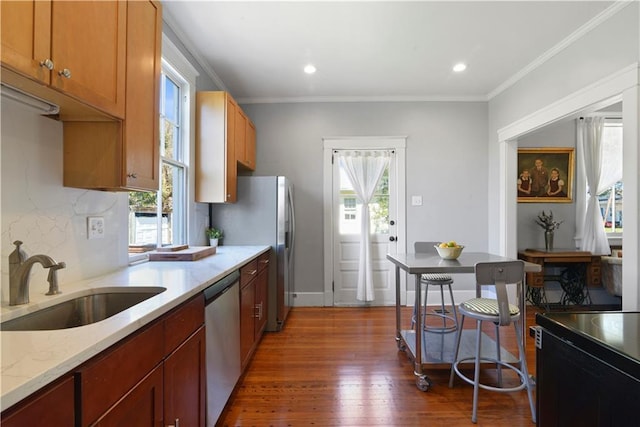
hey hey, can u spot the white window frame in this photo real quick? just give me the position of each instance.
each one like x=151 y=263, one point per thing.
x=611 y=120
x=175 y=65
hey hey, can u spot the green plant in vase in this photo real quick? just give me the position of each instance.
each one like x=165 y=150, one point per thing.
x=213 y=234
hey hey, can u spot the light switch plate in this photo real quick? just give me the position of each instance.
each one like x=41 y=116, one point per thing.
x=416 y=200
x=95 y=227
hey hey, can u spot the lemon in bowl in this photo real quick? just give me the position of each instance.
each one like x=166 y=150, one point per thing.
x=449 y=250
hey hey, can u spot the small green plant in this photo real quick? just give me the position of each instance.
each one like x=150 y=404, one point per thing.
x=213 y=233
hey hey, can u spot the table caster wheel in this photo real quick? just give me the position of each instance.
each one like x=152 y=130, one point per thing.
x=423 y=383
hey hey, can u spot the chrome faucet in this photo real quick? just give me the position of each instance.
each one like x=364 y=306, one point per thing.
x=20 y=268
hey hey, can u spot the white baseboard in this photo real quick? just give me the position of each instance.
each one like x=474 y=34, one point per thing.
x=316 y=299
x=308 y=299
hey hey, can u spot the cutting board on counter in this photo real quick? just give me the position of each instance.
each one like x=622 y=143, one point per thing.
x=193 y=253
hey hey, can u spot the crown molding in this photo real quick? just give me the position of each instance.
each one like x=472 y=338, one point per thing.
x=345 y=99
x=173 y=25
x=572 y=38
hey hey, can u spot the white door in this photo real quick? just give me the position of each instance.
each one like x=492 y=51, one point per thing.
x=340 y=249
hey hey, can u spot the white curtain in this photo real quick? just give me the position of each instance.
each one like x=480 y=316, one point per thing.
x=594 y=238
x=364 y=169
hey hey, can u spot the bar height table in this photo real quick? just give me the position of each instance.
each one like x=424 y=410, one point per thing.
x=420 y=263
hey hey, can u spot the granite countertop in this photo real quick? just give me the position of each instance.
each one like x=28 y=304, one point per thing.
x=33 y=359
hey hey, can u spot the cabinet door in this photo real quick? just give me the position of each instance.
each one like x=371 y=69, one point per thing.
x=25 y=33
x=240 y=137
x=50 y=407
x=184 y=383
x=142 y=406
x=105 y=379
x=88 y=40
x=141 y=126
x=247 y=321
x=250 y=146
x=261 y=284
x=215 y=162
x=231 y=182
x=123 y=155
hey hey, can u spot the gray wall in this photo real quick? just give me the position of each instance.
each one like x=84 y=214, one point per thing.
x=530 y=235
x=445 y=164
x=606 y=49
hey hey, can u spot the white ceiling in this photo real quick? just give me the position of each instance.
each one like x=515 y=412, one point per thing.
x=385 y=50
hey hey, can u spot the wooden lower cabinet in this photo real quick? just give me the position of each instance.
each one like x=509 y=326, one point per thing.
x=52 y=406
x=149 y=378
x=184 y=383
x=254 y=282
x=247 y=320
x=141 y=406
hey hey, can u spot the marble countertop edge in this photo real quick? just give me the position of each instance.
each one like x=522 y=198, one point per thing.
x=32 y=359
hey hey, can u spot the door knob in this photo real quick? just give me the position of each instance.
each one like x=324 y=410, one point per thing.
x=392 y=222
x=392 y=238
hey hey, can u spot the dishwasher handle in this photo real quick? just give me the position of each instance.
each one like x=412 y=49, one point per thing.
x=214 y=291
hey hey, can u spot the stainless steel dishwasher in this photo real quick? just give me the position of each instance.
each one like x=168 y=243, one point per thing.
x=222 y=329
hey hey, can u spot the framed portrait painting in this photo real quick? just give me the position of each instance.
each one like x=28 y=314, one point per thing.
x=545 y=175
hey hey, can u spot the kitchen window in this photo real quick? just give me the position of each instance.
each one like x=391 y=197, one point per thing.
x=159 y=219
x=611 y=197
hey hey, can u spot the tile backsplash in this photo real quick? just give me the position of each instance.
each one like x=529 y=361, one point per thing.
x=47 y=217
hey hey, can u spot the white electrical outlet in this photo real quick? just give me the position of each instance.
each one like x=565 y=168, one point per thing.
x=95 y=227
x=416 y=200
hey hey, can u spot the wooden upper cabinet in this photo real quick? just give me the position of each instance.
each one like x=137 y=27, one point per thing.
x=250 y=146
x=141 y=125
x=215 y=160
x=88 y=39
x=25 y=34
x=124 y=155
x=77 y=48
x=245 y=142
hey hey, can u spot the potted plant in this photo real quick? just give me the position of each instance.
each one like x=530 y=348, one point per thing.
x=213 y=234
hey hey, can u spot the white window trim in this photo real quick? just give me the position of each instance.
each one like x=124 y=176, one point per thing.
x=174 y=59
x=172 y=56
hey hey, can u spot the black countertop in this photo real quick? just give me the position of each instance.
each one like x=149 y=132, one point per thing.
x=612 y=336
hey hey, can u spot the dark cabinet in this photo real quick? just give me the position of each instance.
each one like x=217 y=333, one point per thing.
x=578 y=388
x=155 y=375
x=254 y=281
x=184 y=383
x=52 y=406
x=141 y=406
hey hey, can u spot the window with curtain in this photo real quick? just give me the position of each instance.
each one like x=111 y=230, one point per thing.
x=610 y=194
x=379 y=207
x=159 y=219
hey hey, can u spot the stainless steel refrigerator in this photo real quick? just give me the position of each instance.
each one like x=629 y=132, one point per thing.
x=264 y=215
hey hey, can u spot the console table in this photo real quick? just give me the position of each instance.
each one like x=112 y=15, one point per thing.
x=581 y=270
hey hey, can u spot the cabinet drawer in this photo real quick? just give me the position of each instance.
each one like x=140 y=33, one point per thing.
x=248 y=272
x=182 y=322
x=263 y=261
x=107 y=378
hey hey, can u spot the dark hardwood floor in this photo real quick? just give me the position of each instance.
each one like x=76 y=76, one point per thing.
x=341 y=367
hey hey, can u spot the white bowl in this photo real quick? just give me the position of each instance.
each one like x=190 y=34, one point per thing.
x=449 y=253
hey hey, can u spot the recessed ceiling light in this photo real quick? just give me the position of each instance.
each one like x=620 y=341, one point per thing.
x=310 y=69
x=459 y=67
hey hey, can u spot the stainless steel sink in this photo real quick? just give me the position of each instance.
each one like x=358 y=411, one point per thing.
x=81 y=311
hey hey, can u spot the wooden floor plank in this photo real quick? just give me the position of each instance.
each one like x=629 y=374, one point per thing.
x=341 y=367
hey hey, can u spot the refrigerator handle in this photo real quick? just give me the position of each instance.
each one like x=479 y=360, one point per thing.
x=292 y=229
